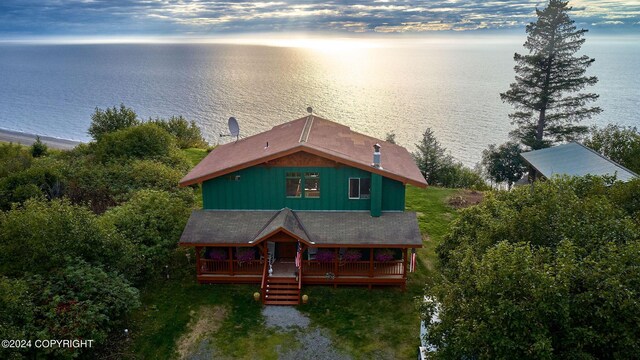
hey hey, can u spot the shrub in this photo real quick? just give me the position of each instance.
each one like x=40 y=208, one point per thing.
x=147 y=141
x=152 y=222
x=81 y=301
x=13 y=159
x=47 y=235
x=325 y=255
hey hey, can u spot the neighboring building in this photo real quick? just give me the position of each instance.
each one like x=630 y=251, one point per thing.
x=304 y=203
x=574 y=159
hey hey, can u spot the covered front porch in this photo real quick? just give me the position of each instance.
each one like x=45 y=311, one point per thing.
x=329 y=266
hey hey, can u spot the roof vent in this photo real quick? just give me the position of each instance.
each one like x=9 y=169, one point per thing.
x=376 y=156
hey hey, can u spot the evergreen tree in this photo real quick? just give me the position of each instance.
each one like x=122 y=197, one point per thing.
x=38 y=148
x=431 y=157
x=547 y=93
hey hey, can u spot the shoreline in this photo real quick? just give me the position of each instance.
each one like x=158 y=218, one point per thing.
x=22 y=138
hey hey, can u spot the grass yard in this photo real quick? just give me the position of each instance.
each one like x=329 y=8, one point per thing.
x=381 y=323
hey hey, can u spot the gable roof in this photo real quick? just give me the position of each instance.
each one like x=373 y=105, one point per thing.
x=317 y=228
x=313 y=135
x=575 y=159
x=283 y=220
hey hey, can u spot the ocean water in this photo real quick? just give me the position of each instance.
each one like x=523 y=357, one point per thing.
x=451 y=86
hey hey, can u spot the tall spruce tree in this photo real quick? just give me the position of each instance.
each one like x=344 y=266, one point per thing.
x=546 y=95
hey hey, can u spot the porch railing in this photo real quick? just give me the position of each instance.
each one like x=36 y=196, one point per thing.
x=353 y=268
x=231 y=267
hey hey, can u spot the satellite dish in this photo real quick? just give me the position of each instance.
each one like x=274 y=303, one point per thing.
x=309 y=110
x=234 y=128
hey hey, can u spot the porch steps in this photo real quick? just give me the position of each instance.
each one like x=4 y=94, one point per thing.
x=282 y=291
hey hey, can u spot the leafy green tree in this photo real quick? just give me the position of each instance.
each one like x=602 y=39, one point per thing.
x=110 y=120
x=38 y=148
x=187 y=134
x=153 y=222
x=504 y=163
x=619 y=143
x=13 y=158
x=547 y=93
x=548 y=273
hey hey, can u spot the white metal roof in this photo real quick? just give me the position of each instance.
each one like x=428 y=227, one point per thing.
x=575 y=159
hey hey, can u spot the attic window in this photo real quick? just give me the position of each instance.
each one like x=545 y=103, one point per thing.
x=359 y=188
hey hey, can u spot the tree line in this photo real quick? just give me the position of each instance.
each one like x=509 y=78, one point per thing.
x=82 y=230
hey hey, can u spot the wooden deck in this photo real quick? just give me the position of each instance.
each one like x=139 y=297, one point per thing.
x=367 y=273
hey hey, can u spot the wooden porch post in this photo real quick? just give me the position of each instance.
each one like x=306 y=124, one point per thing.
x=231 y=260
x=370 y=262
x=404 y=269
x=198 y=270
x=335 y=262
x=404 y=265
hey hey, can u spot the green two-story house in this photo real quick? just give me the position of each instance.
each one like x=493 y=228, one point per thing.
x=307 y=202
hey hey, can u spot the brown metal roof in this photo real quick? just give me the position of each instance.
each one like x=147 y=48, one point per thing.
x=314 y=135
x=318 y=228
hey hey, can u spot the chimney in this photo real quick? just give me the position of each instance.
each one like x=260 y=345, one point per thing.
x=376 y=156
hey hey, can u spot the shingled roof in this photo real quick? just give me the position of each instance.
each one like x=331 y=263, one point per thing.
x=313 y=135
x=318 y=228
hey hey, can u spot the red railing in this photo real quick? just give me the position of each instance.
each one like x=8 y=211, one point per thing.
x=353 y=268
x=230 y=267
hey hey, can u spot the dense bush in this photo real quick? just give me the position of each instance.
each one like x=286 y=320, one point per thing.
x=147 y=141
x=542 y=273
x=111 y=120
x=34 y=182
x=13 y=158
x=46 y=235
x=16 y=314
x=153 y=222
x=81 y=301
x=187 y=134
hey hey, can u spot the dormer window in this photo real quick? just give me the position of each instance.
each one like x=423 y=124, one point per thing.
x=359 y=188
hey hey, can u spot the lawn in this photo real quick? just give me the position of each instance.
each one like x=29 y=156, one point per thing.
x=378 y=323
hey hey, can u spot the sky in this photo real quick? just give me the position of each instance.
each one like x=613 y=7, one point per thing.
x=21 y=19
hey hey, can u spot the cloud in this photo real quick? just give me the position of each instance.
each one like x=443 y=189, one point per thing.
x=202 y=17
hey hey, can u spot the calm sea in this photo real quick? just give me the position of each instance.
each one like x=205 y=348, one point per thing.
x=450 y=86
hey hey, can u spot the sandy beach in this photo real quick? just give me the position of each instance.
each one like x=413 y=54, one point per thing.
x=17 y=137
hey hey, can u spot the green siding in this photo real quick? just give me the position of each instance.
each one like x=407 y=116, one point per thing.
x=393 y=194
x=263 y=188
x=376 y=195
